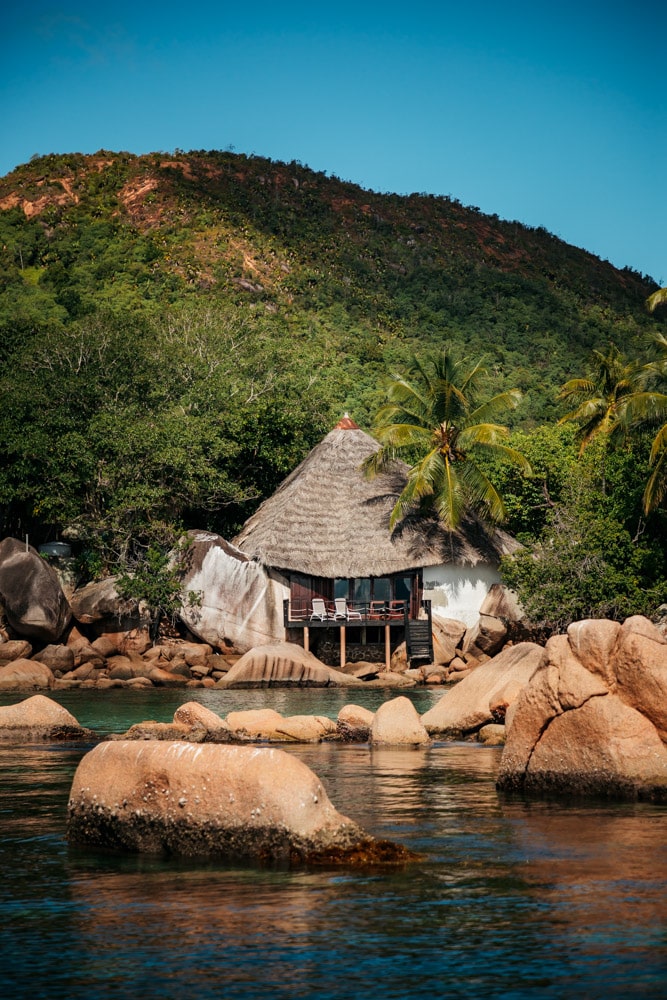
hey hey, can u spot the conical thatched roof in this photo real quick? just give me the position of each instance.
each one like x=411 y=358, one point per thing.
x=326 y=519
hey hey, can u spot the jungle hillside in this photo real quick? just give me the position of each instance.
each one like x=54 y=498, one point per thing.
x=178 y=330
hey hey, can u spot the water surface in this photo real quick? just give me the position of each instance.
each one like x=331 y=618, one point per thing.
x=512 y=899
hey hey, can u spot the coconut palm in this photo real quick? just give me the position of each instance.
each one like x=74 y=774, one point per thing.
x=436 y=413
x=647 y=408
x=659 y=298
x=600 y=396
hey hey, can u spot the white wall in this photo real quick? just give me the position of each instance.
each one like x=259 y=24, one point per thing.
x=458 y=591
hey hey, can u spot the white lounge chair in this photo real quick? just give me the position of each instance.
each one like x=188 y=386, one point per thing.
x=342 y=610
x=319 y=610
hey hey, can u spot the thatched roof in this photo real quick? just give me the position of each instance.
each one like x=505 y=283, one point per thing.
x=327 y=519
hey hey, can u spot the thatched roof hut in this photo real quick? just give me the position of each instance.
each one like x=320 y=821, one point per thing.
x=327 y=519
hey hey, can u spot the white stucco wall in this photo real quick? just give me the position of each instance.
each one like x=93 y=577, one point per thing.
x=458 y=591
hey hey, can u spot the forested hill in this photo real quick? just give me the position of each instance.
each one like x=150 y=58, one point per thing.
x=129 y=233
x=166 y=316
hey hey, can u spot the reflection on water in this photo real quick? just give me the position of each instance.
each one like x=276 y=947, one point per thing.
x=512 y=898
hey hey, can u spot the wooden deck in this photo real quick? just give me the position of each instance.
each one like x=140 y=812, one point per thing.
x=357 y=615
x=385 y=615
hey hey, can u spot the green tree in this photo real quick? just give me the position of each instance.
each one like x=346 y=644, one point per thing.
x=153 y=577
x=596 y=556
x=599 y=397
x=437 y=417
x=647 y=409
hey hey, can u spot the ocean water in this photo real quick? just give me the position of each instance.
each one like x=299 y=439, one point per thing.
x=512 y=898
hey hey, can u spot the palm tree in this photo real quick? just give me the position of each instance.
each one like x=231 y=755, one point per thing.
x=601 y=396
x=647 y=407
x=659 y=298
x=436 y=413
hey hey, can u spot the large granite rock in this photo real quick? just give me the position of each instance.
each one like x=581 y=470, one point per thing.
x=56 y=657
x=15 y=649
x=122 y=623
x=30 y=591
x=240 y=604
x=25 y=675
x=397 y=723
x=284 y=665
x=592 y=719
x=502 y=603
x=467 y=707
x=39 y=718
x=212 y=801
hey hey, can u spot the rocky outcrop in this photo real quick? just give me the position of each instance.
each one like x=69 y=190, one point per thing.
x=284 y=665
x=397 y=723
x=212 y=801
x=25 y=675
x=39 y=718
x=502 y=603
x=195 y=714
x=30 y=592
x=465 y=708
x=15 y=649
x=121 y=623
x=240 y=604
x=354 y=724
x=56 y=658
x=592 y=719
x=266 y=724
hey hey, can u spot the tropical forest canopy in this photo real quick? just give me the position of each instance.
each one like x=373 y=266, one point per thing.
x=179 y=330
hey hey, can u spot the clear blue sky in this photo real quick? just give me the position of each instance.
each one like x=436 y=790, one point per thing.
x=553 y=114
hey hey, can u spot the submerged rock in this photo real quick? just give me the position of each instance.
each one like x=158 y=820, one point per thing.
x=39 y=717
x=396 y=723
x=213 y=801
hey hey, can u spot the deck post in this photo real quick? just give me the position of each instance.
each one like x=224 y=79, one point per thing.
x=387 y=648
x=306 y=638
x=342 y=646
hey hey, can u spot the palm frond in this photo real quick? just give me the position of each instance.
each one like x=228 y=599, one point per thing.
x=482 y=494
x=658 y=298
x=400 y=436
x=508 y=400
x=451 y=501
x=422 y=479
x=656 y=486
x=645 y=409
x=659 y=444
x=576 y=387
x=512 y=456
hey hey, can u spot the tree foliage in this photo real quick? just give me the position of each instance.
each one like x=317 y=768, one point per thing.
x=439 y=415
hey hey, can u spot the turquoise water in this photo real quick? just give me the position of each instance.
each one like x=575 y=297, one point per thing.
x=512 y=899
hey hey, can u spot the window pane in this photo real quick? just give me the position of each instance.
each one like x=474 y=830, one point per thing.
x=402 y=588
x=342 y=588
x=381 y=589
x=362 y=590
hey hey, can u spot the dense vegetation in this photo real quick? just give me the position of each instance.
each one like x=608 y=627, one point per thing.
x=178 y=330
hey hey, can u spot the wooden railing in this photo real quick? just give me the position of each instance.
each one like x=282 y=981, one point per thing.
x=301 y=614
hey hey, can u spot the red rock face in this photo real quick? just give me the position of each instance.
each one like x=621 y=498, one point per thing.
x=593 y=718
